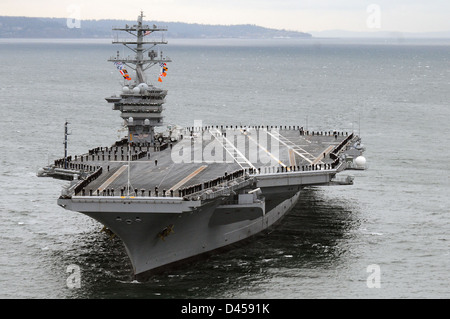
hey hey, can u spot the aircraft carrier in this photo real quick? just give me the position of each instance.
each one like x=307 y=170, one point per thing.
x=174 y=193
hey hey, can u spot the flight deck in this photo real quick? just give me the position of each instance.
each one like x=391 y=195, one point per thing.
x=213 y=154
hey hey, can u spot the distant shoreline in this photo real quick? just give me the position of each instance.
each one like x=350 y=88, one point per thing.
x=21 y=27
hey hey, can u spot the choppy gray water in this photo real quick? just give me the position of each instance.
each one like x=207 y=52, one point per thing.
x=395 y=216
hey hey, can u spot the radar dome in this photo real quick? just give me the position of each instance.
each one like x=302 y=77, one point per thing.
x=136 y=90
x=143 y=86
x=126 y=89
x=360 y=161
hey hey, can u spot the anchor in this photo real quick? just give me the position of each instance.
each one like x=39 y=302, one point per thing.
x=166 y=232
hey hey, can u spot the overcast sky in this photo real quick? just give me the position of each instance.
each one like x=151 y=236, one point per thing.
x=299 y=15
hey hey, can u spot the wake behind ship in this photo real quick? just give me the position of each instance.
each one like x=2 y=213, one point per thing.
x=173 y=193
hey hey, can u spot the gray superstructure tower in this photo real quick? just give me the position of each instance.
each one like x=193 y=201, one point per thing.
x=140 y=103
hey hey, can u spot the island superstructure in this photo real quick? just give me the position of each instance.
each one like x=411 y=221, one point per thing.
x=175 y=193
x=140 y=104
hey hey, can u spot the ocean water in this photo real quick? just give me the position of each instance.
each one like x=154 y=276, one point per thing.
x=386 y=236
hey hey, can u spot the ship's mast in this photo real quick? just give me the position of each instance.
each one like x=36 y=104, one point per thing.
x=66 y=133
x=140 y=101
x=139 y=62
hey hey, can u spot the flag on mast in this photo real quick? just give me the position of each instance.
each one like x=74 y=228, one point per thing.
x=163 y=72
x=122 y=70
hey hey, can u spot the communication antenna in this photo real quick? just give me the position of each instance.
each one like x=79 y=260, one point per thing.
x=66 y=133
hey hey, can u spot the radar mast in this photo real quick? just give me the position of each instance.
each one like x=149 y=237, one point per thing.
x=140 y=102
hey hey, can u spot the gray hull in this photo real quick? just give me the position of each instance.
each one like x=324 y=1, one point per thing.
x=188 y=234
